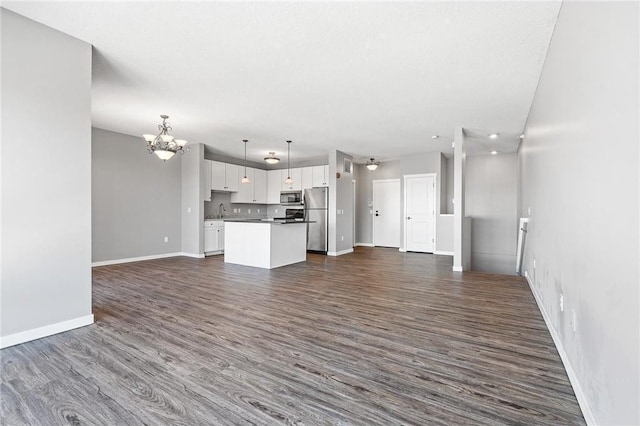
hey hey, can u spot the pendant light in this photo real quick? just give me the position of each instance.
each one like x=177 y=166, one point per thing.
x=245 y=179
x=288 y=180
x=272 y=159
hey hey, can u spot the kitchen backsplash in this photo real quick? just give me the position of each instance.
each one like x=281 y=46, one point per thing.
x=258 y=211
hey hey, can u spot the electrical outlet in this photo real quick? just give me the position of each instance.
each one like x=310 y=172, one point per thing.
x=258 y=210
x=341 y=237
x=235 y=210
x=248 y=210
x=188 y=209
x=561 y=302
x=166 y=239
x=534 y=264
x=276 y=210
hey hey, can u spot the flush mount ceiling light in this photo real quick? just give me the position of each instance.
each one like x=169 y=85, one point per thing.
x=522 y=136
x=163 y=144
x=494 y=135
x=288 y=180
x=372 y=164
x=494 y=152
x=272 y=159
x=435 y=137
x=245 y=179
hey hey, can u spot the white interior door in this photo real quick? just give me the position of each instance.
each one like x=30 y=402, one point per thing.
x=420 y=213
x=386 y=213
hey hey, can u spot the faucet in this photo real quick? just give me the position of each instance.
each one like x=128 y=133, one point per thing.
x=221 y=211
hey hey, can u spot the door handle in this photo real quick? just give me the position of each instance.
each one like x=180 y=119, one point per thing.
x=377 y=213
x=408 y=217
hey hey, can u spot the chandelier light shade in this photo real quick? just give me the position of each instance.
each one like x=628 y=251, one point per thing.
x=245 y=179
x=372 y=164
x=163 y=144
x=288 y=180
x=272 y=159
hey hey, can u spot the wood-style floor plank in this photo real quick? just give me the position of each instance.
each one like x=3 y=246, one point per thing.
x=376 y=337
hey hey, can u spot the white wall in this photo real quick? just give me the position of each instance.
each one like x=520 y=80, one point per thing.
x=579 y=167
x=491 y=202
x=46 y=181
x=136 y=199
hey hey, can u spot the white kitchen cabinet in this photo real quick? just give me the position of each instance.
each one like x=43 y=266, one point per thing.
x=213 y=236
x=245 y=190
x=320 y=176
x=224 y=177
x=296 y=175
x=205 y=179
x=274 y=186
x=254 y=192
x=260 y=186
x=307 y=177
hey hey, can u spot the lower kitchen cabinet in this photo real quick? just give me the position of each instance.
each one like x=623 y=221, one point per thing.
x=213 y=237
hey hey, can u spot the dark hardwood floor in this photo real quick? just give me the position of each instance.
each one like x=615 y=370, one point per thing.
x=376 y=337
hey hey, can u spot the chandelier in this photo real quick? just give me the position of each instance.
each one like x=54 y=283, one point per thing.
x=372 y=164
x=163 y=144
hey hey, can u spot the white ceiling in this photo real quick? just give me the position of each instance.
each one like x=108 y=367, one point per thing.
x=373 y=79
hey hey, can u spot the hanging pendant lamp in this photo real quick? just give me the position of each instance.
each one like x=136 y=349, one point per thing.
x=245 y=179
x=288 y=180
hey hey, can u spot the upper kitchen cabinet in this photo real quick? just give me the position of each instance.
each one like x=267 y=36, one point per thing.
x=254 y=192
x=296 y=175
x=320 y=176
x=224 y=177
x=274 y=186
x=307 y=177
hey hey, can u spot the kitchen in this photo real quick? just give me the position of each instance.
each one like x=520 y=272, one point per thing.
x=248 y=203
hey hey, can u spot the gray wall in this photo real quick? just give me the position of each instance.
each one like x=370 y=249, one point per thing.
x=136 y=199
x=415 y=164
x=46 y=177
x=192 y=213
x=340 y=197
x=579 y=166
x=490 y=201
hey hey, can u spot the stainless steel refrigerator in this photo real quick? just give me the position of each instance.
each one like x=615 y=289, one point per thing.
x=316 y=203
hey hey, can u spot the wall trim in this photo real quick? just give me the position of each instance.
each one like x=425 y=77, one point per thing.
x=47 y=330
x=195 y=255
x=443 y=253
x=573 y=379
x=340 y=253
x=457 y=268
x=135 y=259
x=364 y=245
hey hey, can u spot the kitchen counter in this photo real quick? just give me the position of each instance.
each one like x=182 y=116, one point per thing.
x=258 y=243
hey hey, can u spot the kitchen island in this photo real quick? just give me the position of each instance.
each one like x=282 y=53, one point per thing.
x=265 y=243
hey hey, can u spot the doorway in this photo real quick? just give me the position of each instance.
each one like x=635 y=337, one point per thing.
x=386 y=213
x=420 y=212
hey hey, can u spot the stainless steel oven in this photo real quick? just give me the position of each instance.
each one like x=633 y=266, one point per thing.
x=291 y=198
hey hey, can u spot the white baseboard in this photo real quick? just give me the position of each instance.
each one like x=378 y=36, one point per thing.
x=364 y=245
x=196 y=255
x=573 y=379
x=340 y=253
x=457 y=269
x=136 y=259
x=402 y=250
x=443 y=253
x=47 y=330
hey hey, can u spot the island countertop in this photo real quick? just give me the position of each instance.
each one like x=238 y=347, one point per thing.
x=269 y=221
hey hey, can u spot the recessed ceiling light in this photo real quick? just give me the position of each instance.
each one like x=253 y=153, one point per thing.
x=494 y=135
x=494 y=152
x=435 y=137
x=522 y=136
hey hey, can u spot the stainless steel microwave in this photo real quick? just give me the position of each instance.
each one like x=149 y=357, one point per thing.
x=291 y=198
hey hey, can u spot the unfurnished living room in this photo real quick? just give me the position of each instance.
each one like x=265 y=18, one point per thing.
x=320 y=213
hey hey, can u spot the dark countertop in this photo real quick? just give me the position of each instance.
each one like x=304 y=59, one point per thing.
x=269 y=221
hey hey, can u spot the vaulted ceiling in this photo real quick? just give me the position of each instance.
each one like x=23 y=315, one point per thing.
x=373 y=79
